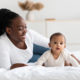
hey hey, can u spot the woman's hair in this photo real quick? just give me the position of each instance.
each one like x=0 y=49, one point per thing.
x=6 y=17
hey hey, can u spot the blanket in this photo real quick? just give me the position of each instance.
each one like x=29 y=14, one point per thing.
x=41 y=73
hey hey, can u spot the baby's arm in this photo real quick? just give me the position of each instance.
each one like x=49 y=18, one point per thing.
x=75 y=58
x=42 y=59
x=72 y=54
x=71 y=60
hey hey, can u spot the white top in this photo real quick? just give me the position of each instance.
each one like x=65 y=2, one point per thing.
x=49 y=61
x=10 y=54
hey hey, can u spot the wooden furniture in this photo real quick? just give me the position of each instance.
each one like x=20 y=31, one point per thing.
x=70 y=28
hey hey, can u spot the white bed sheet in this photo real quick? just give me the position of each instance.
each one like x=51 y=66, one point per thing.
x=41 y=73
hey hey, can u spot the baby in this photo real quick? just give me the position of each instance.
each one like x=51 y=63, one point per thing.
x=57 y=55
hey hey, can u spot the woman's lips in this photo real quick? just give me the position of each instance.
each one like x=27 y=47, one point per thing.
x=23 y=37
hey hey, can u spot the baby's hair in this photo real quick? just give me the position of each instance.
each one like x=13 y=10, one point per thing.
x=6 y=17
x=57 y=34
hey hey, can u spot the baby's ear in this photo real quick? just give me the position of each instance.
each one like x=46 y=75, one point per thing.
x=65 y=46
x=49 y=44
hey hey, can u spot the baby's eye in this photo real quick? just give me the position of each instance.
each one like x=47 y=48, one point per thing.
x=55 y=42
x=61 y=43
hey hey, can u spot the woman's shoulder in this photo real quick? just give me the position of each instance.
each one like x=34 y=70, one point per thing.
x=33 y=33
x=2 y=38
x=29 y=33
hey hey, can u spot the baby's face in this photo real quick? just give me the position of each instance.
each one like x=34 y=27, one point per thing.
x=57 y=44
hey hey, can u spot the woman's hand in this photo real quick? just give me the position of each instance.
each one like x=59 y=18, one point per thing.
x=18 y=65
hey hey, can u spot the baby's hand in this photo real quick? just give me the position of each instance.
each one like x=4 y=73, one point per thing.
x=67 y=64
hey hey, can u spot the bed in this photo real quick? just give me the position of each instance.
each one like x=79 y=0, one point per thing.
x=41 y=73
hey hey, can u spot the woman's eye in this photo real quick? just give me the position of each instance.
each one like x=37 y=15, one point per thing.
x=20 y=28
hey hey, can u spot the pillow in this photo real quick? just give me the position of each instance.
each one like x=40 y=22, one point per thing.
x=37 y=52
x=34 y=58
x=39 y=49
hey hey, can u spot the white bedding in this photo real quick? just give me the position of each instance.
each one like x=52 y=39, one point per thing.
x=41 y=73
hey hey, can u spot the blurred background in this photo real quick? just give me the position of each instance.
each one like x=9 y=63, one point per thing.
x=56 y=16
x=58 y=9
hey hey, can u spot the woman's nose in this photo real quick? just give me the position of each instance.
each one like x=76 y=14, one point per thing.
x=24 y=31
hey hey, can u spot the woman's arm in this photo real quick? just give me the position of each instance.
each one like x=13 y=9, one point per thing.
x=4 y=58
x=39 y=39
x=17 y=65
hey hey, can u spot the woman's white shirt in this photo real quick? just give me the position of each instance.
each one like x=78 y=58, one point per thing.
x=10 y=54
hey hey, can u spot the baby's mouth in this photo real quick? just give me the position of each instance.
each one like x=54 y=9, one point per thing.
x=57 y=48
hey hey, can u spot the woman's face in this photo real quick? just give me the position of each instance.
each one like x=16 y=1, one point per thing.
x=18 y=29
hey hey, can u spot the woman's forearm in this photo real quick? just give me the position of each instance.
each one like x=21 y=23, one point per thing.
x=17 y=65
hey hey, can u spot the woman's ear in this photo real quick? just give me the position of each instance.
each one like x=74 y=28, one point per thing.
x=8 y=30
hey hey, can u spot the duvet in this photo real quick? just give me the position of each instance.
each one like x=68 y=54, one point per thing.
x=41 y=73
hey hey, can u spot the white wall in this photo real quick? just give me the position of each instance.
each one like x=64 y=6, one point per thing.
x=71 y=30
x=11 y=4
x=59 y=9
x=67 y=9
x=45 y=12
